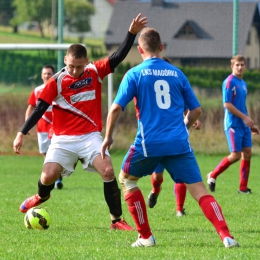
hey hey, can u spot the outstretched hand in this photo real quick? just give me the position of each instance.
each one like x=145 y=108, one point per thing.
x=138 y=24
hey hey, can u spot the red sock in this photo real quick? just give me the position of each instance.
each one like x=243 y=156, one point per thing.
x=137 y=208
x=156 y=185
x=244 y=174
x=223 y=165
x=180 y=195
x=213 y=213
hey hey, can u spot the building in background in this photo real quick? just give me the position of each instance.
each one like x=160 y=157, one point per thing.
x=99 y=21
x=194 y=33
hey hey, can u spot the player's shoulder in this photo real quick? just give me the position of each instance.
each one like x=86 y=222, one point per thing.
x=38 y=88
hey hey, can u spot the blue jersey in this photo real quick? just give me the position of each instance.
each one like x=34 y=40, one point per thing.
x=160 y=91
x=234 y=91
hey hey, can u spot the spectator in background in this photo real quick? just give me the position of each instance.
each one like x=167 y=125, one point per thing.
x=160 y=92
x=238 y=126
x=44 y=125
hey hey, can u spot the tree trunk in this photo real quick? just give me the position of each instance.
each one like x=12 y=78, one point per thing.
x=15 y=29
x=41 y=29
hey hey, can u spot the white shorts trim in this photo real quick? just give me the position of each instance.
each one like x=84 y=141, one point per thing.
x=43 y=142
x=67 y=150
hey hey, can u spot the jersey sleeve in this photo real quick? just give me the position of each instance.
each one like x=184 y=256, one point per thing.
x=50 y=91
x=228 y=91
x=32 y=100
x=103 y=67
x=190 y=100
x=126 y=91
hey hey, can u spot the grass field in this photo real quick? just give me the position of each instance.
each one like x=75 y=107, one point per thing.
x=80 y=217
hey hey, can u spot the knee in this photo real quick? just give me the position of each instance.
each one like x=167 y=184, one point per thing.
x=108 y=174
x=126 y=184
x=246 y=155
x=234 y=157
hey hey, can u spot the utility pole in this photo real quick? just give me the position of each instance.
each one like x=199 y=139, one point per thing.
x=235 y=26
x=60 y=32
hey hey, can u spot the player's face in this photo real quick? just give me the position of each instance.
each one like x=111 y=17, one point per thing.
x=46 y=74
x=238 y=68
x=75 y=66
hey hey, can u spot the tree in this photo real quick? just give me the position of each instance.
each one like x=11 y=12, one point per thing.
x=32 y=10
x=6 y=12
x=77 y=16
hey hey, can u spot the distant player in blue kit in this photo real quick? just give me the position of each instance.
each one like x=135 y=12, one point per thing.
x=238 y=126
x=160 y=92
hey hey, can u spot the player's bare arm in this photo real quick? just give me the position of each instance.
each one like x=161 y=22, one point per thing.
x=233 y=110
x=18 y=142
x=138 y=24
x=112 y=119
x=255 y=130
x=197 y=125
x=192 y=116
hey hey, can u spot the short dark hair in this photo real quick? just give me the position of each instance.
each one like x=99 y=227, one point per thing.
x=150 y=39
x=48 y=67
x=77 y=51
x=237 y=58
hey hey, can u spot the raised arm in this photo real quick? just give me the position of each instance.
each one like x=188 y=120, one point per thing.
x=119 y=55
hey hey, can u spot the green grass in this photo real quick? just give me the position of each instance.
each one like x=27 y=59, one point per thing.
x=25 y=36
x=80 y=217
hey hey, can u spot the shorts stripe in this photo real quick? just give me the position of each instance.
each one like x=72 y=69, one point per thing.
x=232 y=138
x=128 y=160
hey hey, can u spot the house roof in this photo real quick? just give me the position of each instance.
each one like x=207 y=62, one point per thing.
x=212 y=22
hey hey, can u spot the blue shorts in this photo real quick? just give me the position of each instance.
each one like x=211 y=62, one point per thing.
x=238 y=138
x=159 y=169
x=182 y=168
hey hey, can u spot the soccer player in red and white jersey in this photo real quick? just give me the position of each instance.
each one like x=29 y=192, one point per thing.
x=44 y=124
x=75 y=93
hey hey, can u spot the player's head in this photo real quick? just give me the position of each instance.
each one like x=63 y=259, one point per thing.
x=76 y=59
x=238 y=65
x=149 y=42
x=47 y=72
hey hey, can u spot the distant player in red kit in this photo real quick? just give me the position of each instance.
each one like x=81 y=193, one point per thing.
x=44 y=130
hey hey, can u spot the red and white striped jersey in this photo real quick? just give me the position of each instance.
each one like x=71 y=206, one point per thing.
x=44 y=124
x=77 y=101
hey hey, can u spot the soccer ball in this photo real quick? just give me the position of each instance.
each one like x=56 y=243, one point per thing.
x=37 y=218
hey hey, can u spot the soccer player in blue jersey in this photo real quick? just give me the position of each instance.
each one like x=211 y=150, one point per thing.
x=238 y=126
x=179 y=189
x=160 y=91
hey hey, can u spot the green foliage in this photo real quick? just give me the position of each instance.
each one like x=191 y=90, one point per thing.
x=77 y=16
x=6 y=11
x=24 y=69
x=27 y=10
x=80 y=217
